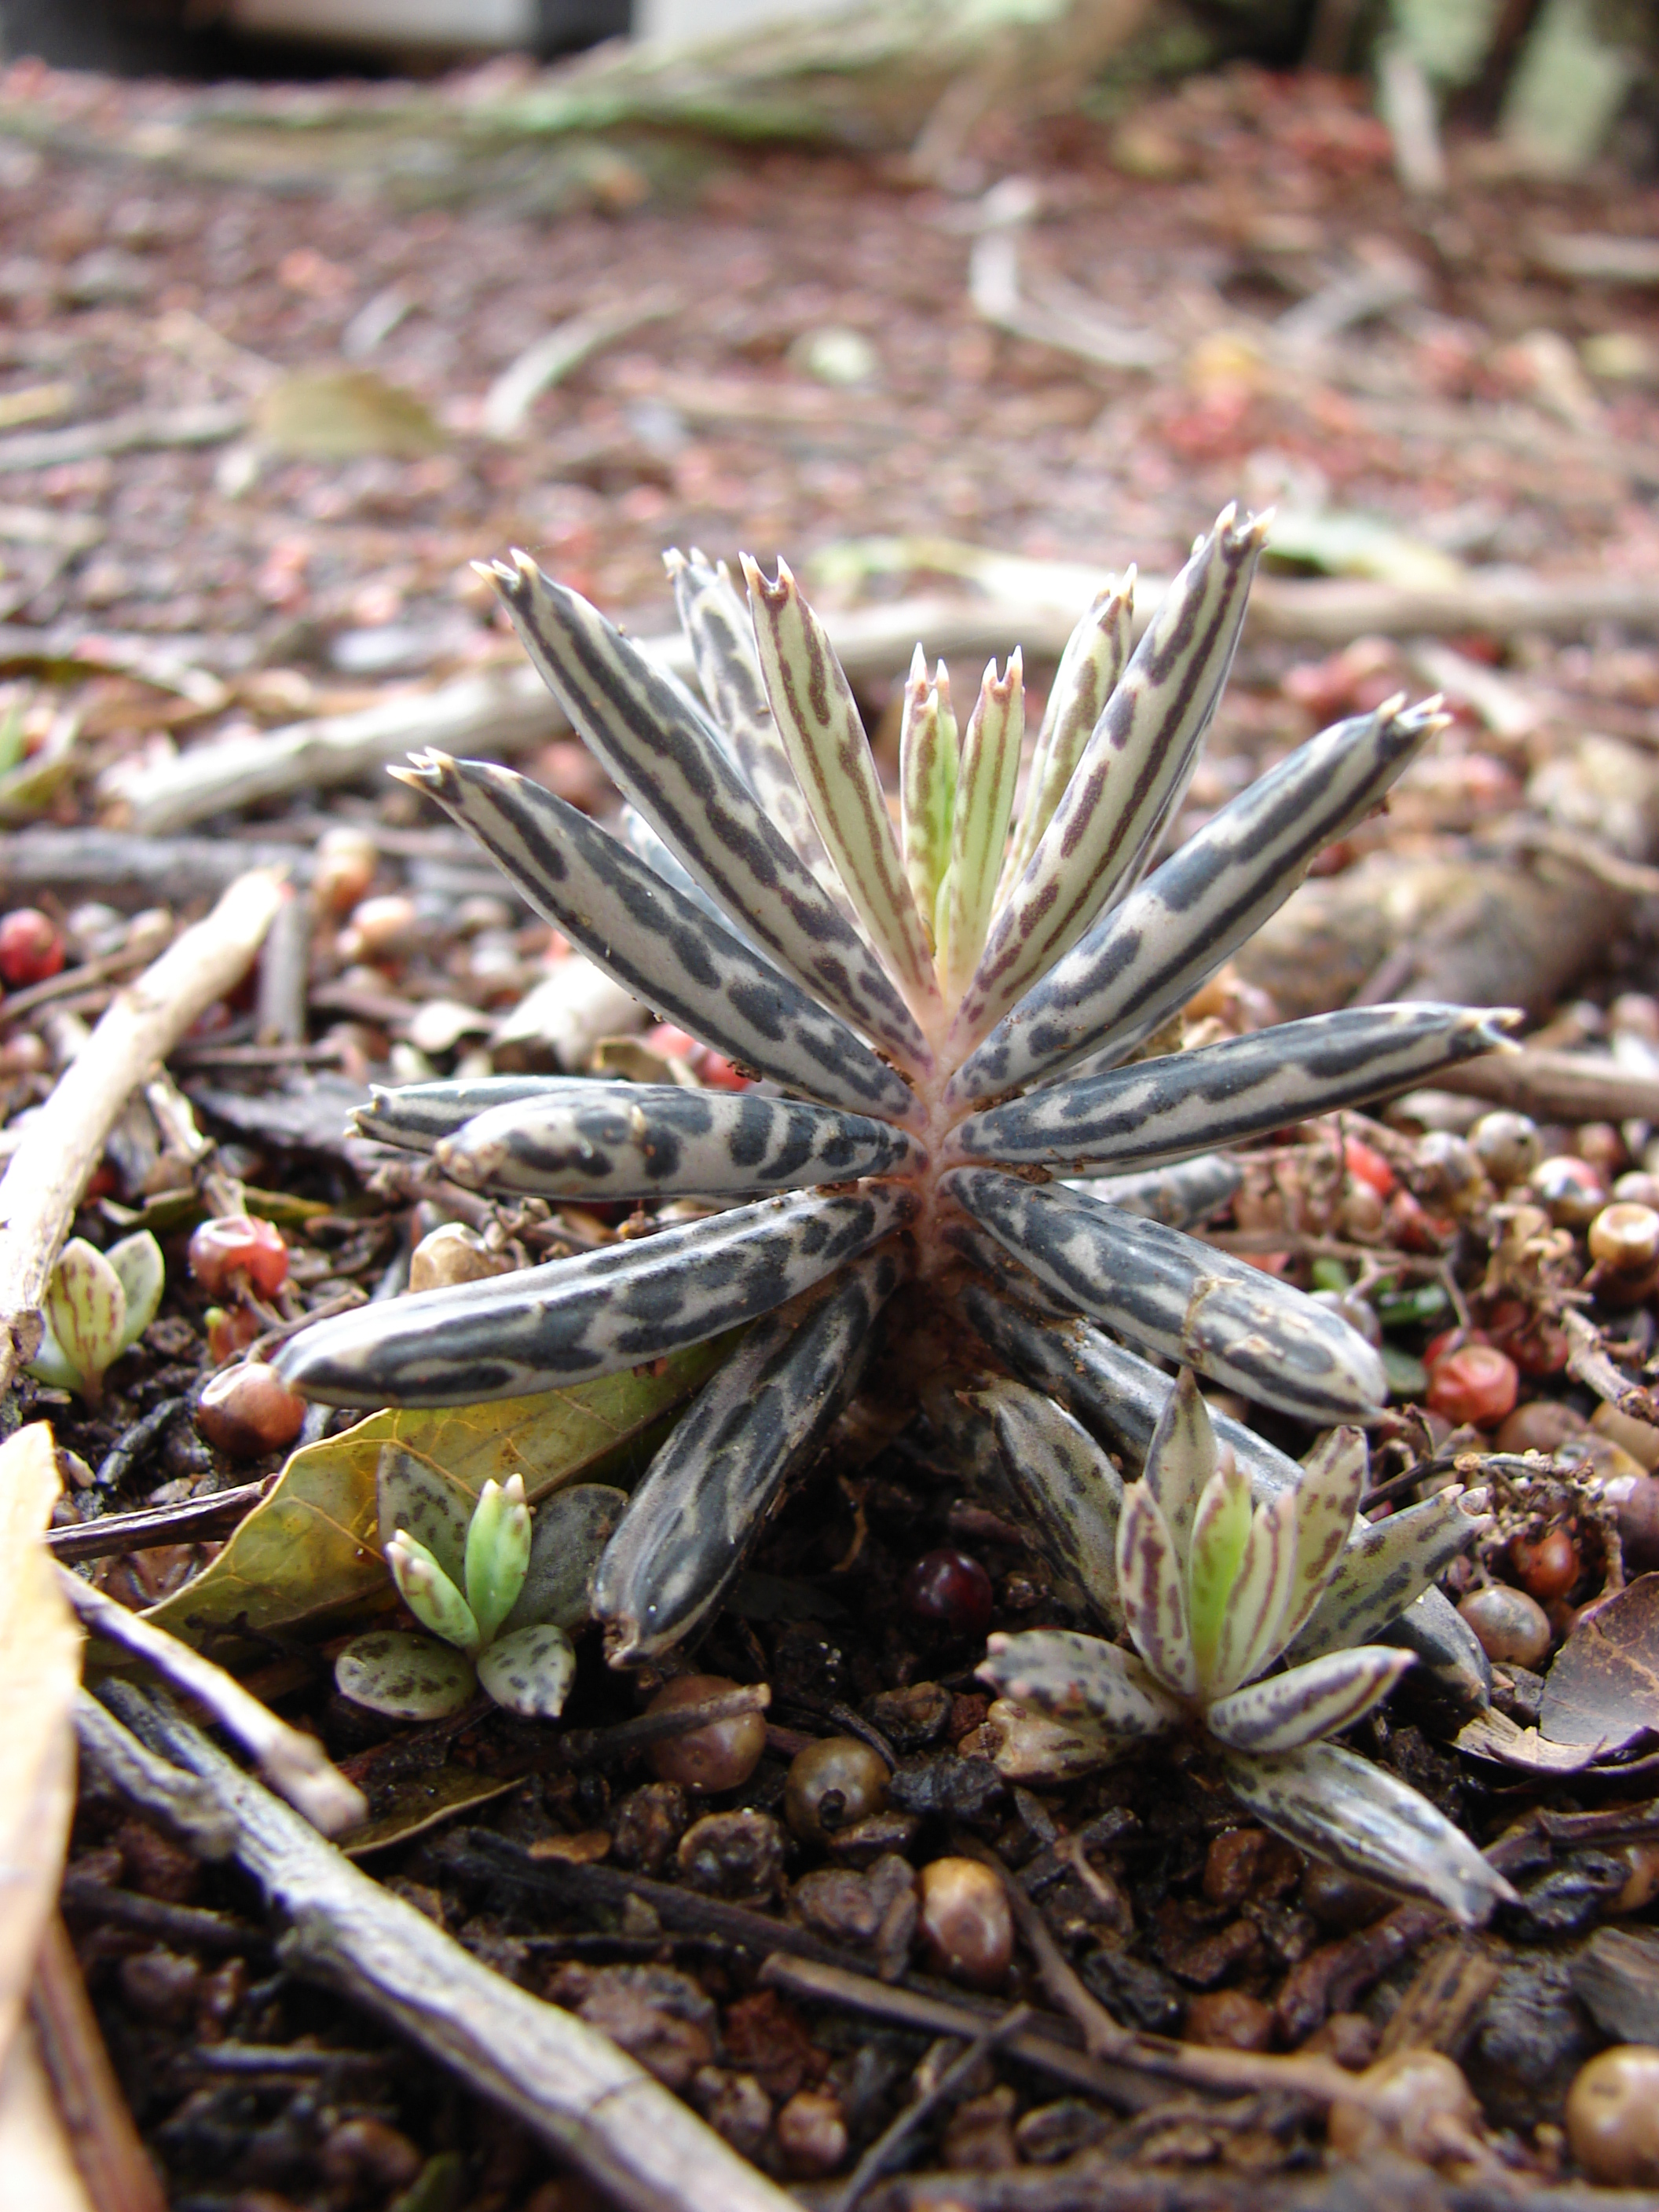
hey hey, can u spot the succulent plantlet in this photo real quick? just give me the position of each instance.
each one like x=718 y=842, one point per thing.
x=940 y=1017
x=98 y=1305
x=499 y=1594
x=1212 y=1589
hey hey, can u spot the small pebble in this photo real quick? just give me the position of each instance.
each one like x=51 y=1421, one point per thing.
x=1569 y=1190
x=811 y=2135
x=1635 y=1502
x=1625 y=1238
x=737 y=1855
x=366 y=2150
x=965 y=1925
x=1507 y=1145
x=832 y=1784
x=380 y=929
x=1538 y=1426
x=720 y=1756
x=248 y=1411
x=1347 y=2037
x=160 y=1987
x=453 y=1254
x=1511 y=1626
x=343 y=869
x=1450 y=1176
x=1639 y=1438
x=1229 y=2020
x=1613 y=2116
x=1426 y=2108
x=649 y=1823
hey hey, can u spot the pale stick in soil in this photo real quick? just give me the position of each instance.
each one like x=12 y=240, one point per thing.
x=64 y=1144
x=571 y=2087
x=293 y=1763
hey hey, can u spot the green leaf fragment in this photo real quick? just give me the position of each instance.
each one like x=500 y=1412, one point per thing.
x=927 y=782
x=1072 y=1677
x=1385 y=1566
x=407 y=1678
x=497 y=1552
x=530 y=1671
x=1089 y=670
x=1152 y=1587
x=431 y=1505
x=138 y=1263
x=1221 y=1530
x=430 y=1595
x=1287 y=1711
x=86 y=1309
x=1182 y=1457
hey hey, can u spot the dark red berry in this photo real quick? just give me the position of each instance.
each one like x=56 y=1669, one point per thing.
x=31 y=947
x=949 y=1590
x=236 y=1248
x=248 y=1411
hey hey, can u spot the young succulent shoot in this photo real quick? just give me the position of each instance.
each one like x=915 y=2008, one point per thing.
x=940 y=1009
x=97 y=1305
x=498 y=1595
x=1212 y=1589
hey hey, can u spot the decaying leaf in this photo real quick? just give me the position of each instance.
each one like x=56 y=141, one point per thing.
x=1603 y=1688
x=40 y=1669
x=312 y=1549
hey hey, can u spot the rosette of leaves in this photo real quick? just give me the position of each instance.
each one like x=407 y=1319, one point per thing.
x=98 y=1305
x=499 y=1595
x=941 y=1014
x=1214 y=1589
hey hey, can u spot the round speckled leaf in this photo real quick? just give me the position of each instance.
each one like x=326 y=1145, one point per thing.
x=407 y=1678
x=530 y=1671
x=570 y=1531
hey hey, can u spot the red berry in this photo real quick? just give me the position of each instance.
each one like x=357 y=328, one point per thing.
x=234 y=1248
x=1549 y=1567
x=1478 y=1384
x=1449 y=1340
x=248 y=1411
x=1368 y=1166
x=948 y=1591
x=229 y=1332
x=31 y=948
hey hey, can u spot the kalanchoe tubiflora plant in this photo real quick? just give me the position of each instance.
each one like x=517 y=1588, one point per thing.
x=498 y=1596
x=1212 y=1589
x=97 y=1306
x=942 y=1016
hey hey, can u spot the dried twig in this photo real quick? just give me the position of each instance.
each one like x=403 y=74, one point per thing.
x=565 y=2083
x=293 y=1764
x=1558 y=1086
x=552 y=357
x=49 y=1170
x=102 y=2138
x=1592 y=1366
x=191 y=1520
x=178 y=1803
x=600 y=1747
x=889 y=2144
x=207 y=425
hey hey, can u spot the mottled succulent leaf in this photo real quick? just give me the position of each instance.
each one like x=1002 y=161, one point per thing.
x=497 y=1556
x=979 y=824
x=1221 y=1528
x=429 y=1593
x=710 y=1488
x=1222 y=1094
x=1183 y=1195
x=142 y=1274
x=1179 y=1299
x=1151 y=1588
x=1180 y=1459
x=86 y=1309
x=568 y=1534
x=1072 y=1677
x=651 y=1139
x=1088 y=673
x=718 y=627
x=1384 y=1567
x=1067 y=1490
x=642 y=841
x=655 y=943
x=927 y=785
x=414 y=1495
x=675 y=767
x=1362 y=1818
x=530 y=1671
x=1033 y=1748
x=407 y=1678
x=1266 y=1575
x=591 y=1315
x=51 y=1363
x=416 y=1115
x=1149 y=955
x=1288 y=1711
x=1134 y=767
x=1326 y=1501
x=812 y=705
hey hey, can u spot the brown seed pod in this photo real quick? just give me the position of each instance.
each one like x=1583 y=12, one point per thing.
x=1613 y=2116
x=965 y=1923
x=248 y=1411
x=722 y=1755
x=832 y=1784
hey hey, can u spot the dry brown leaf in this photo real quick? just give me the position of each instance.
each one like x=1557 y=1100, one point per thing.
x=1604 y=1686
x=40 y=1670
x=35 y=2160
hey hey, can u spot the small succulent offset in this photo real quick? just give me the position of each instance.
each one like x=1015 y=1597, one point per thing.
x=499 y=1597
x=951 y=1130
x=98 y=1305
x=1214 y=1589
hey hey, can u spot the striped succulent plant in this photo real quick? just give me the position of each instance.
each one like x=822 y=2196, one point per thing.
x=1212 y=1589
x=941 y=1016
